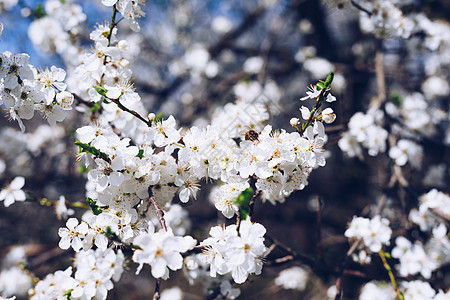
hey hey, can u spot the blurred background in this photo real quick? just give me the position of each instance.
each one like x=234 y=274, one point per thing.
x=191 y=57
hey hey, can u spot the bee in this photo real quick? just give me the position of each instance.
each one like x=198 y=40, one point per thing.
x=251 y=135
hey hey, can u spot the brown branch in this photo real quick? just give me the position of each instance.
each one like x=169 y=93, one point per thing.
x=380 y=77
x=358 y=6
x=292 y=254
x=82 y=101
x=341 y=269
x=313 y=264
x=157 y=285
x=352 y=249
x=45 y=257
x=134 y=113
x=159 y=213
x=251 y=205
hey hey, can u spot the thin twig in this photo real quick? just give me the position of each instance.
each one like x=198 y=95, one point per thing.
x=251 y=205
x=292 y=254
x=82 y=101
x=156 y=294
x=159 y=213
x=399 y=295
x=341 y=269
x=358 y=6
x=134 y=113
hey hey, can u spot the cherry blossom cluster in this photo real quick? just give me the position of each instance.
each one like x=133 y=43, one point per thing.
x=385 y=19
x=93 y=278
x=415 y=115
x=12 y=271
x=23 y=90
x=130 y=10
x=364 y=129
x=414 y=290
x=138 y=162
x=419 y=257
x=106 y=71
x=121 y=173
x=54 y=32
x=374 y=232
x=293 y=278
x=161 y=250
x=413 y=258
x=238 y=251
x=197 y=269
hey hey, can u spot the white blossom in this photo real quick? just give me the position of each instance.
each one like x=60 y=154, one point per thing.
x=13 y=191
x=292 y=278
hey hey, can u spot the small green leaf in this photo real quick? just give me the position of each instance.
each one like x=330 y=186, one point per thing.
x=96 y=210
x=109 y=233
x=329 y=80
x=82 y=169
x=96 y=106
x=68 y=294
x=140 y=153
x=396 y=99
x=101 y=90
x=39 y=11
x=159 y=116
x=94 y=151
x=243 y=201
x=325 y=84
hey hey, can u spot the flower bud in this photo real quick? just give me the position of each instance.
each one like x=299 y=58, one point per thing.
x=151 y=116
x=328 y=116
x=294 y=121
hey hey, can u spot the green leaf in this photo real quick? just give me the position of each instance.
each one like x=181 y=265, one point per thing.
x=94 y=151
x=396 y=99
x=101 y=90
x=82 y=169
x=96 y=210
x=159 y=116
x=68 y=294
x=109 y=233
x=325 y=84
x=140 y=153
x=39 y=11
x=329 y=80
x=243 y=201
x=96 y=106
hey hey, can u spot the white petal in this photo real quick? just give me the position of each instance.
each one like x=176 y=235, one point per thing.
x=19 y=195
x=64 y=243
x=305 y=112
x=72 y=223
x=17 y=183
x=159 y=268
